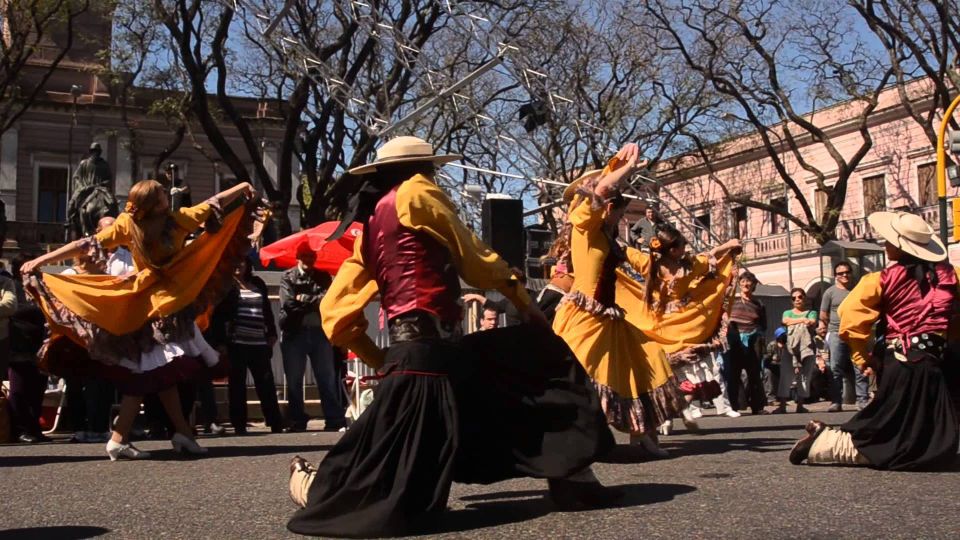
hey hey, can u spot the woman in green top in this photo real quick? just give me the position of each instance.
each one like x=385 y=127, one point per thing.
x=799 y=323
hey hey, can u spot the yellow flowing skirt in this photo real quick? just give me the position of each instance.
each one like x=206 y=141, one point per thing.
x=637 y=388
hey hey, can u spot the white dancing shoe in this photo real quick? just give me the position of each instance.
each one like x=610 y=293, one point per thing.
x=689 y=420
x=649 y=445
x=732 y=413
x=695 y=411
x=666 y=428
x=126 y=451
x=186 y=445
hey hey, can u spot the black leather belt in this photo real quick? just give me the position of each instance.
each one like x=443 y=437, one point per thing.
x=421 y=325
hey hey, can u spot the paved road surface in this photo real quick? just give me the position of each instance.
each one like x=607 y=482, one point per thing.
x=731 y=481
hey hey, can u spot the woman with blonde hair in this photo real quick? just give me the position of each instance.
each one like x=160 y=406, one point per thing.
x=139 y=330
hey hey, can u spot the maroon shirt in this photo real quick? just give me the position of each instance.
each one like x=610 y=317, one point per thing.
x=908 y=311
x=413 y=271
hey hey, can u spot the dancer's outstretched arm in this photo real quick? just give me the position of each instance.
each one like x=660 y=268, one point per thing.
x=857 y=314
x=610 y=181
x=70 y=251
x=225 y=197
x=342 y=308
x=723 y=249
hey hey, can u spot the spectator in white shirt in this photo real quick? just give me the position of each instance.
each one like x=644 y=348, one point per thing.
x=120 y=260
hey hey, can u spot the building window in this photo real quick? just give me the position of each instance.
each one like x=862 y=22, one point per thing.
x=778 y=223
x=52 y=194
x=739 y=217
x=703 y=228
x=874 y=195
x=927 y=181
x=820 y=203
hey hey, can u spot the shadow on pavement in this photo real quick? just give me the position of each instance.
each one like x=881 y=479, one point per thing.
x=625 y=453
x=215 y=452
x=32 y=461
x=707 y=430
x=65 y=532
x=495 y=509
x=167 y=454
x=693 y=447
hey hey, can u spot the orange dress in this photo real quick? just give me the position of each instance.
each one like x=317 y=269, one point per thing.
x=685 y=317
x=140 y=323
x=627 y=366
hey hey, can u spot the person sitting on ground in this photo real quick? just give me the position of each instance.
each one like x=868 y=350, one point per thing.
x=912 y=423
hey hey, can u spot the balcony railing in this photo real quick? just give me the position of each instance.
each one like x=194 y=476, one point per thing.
x=34 y=235
x=775 y=245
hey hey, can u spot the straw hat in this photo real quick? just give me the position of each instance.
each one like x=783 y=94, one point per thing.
x=404 y=150
x=910 y=233
x=571 y=190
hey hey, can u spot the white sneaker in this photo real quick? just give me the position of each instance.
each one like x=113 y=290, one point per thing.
x=732 y=413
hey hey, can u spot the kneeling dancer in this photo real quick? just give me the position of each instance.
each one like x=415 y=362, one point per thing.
x=912 y=422
x=494 y=405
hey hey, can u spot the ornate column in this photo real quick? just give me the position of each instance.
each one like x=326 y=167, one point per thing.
x=9 y=147
x=123 y=170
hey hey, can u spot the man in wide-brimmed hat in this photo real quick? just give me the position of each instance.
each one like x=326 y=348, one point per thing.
x=912 y=423
x=493 y=405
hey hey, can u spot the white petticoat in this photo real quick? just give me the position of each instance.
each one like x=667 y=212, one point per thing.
x=162 y=354
x=700 y=371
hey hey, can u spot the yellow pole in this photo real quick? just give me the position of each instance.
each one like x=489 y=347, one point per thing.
x=942 y=168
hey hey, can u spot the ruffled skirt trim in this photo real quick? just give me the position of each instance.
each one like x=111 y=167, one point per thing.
x=644 y=413
x=158 y=340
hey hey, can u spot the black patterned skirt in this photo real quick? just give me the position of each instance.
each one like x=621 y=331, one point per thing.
x=500 y=404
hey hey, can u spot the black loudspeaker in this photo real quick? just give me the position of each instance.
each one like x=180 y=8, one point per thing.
x=538 y=245
x=503 y=229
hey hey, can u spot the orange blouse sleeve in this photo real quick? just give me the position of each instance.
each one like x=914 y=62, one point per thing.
x=192 y=218
x=341 y=308
x=117 y=234
x=858 y=311
x=585 y=215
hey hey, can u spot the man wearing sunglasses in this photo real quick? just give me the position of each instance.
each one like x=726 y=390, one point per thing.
x=840 y=364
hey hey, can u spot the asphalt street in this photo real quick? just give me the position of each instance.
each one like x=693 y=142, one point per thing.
x=732 y=480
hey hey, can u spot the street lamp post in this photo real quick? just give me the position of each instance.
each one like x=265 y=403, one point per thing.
x=75 y=92
x=942 y=168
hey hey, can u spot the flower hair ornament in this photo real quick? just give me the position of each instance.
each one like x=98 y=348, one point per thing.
x=655 y=244
x=132 y=209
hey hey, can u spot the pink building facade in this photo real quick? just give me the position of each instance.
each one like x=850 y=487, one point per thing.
x=898 y=173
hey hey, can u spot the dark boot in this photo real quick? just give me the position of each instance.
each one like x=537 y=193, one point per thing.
x=570 y=496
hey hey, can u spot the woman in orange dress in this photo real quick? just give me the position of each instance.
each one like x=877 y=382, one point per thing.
x=629 y=370
x=139 y=330
x=680 y=306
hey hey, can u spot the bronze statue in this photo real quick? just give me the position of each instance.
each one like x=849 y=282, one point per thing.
x=91 y=198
